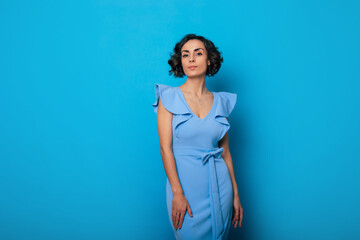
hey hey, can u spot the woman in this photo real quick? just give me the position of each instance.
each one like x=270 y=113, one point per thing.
x=201 y=191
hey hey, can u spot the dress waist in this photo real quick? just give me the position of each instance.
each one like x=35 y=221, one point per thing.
x=198 y=152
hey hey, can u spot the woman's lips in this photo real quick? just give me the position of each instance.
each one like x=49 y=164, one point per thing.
x=192 y=68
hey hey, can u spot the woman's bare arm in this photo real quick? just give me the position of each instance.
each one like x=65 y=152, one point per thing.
x=179 y=202
x=164 y=124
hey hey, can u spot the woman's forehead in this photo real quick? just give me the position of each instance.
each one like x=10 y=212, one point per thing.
x=193 y=44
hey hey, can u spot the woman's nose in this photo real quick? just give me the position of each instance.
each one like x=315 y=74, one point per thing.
x=191 y=58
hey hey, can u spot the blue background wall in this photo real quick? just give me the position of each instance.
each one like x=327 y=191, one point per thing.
x=79 y=150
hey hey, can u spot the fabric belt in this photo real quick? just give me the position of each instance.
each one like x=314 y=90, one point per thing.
x=208 y=156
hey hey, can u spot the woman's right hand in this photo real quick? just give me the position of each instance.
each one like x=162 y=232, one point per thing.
x=179 y=207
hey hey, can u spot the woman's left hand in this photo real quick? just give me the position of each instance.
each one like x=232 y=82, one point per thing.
x=237 y=212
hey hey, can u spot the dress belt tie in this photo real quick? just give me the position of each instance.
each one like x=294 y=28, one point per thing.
x=209 y=156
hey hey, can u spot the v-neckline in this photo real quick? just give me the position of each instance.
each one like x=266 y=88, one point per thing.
x=188 y=106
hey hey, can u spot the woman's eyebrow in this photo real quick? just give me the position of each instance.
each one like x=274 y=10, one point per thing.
x=194 y=50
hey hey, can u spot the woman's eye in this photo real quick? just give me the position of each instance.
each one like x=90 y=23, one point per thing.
x=185 y=55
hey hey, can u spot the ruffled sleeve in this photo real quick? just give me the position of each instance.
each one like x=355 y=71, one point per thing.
x=225 y=106
x=164 y=92
x=169 y=98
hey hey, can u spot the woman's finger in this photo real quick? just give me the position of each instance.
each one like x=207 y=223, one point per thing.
x=189 y=210
x=233 y=217
x=177 y=218
x=174 y=217
x=237 y=213
x=182 y=214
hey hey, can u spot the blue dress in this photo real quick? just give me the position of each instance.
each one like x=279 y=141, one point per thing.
x=203 y=174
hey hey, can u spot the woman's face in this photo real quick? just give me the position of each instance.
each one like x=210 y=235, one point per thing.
x=194 y=53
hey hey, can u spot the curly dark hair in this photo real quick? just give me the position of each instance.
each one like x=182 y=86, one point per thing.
x=213 y=55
